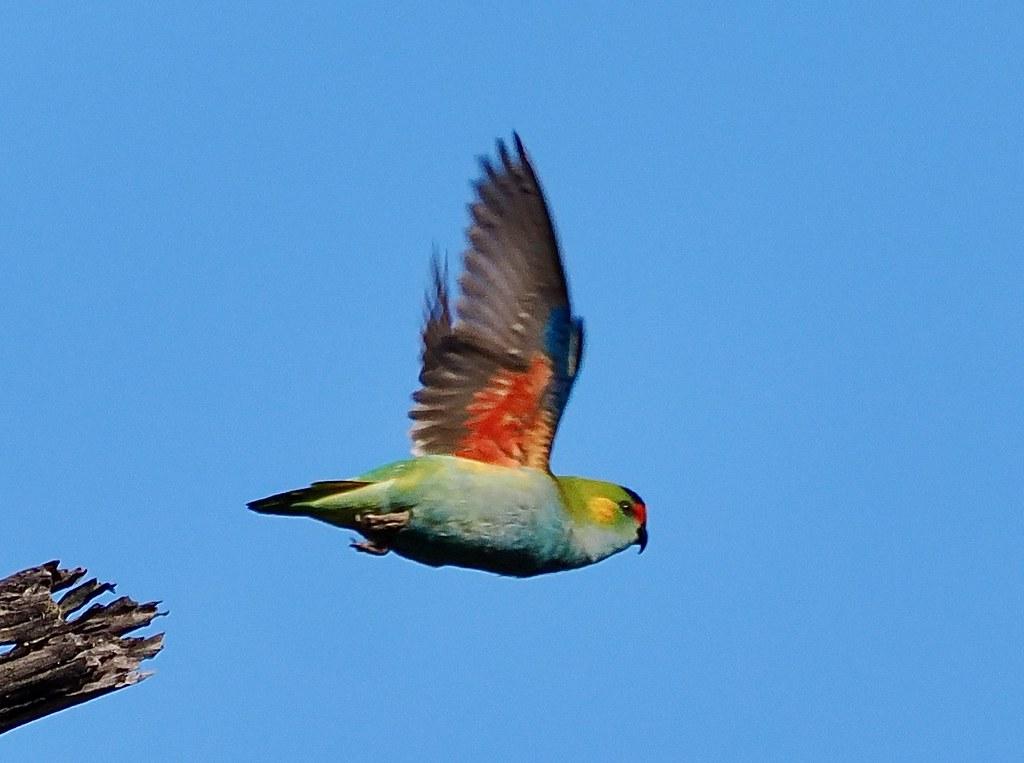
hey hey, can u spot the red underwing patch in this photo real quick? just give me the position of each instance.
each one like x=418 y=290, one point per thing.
x=507 y=423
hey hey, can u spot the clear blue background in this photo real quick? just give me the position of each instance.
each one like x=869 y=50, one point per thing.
x=795 y=236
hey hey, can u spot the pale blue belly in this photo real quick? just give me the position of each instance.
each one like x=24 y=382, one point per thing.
x=508 y=521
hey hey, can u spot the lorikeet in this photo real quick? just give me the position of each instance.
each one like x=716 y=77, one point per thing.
x=495 y=379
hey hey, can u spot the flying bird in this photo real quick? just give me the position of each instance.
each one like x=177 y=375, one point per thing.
x=496 y=376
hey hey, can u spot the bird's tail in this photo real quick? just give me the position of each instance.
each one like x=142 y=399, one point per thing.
x=338 y=499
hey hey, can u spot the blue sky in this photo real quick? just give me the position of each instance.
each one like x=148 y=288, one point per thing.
x=795 y=237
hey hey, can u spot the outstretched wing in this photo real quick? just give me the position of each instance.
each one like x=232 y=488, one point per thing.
x=495 y=381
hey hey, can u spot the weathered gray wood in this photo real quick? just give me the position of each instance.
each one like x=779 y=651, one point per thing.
x=55 y=661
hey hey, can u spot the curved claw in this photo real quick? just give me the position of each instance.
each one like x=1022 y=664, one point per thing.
x=369 y=547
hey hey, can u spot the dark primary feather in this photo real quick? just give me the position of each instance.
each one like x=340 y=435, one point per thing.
x=514 y=305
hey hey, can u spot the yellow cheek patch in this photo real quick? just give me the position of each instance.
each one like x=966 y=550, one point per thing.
x=602 y=509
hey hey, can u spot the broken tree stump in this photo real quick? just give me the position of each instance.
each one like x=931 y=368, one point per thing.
x=56 y=662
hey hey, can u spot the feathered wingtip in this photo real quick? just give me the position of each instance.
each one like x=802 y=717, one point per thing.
x=437 y=314
x=509 y=165
x=437 y=301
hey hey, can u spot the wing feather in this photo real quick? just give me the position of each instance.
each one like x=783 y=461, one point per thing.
x=496 y=379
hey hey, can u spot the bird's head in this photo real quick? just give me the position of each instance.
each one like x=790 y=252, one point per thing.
x=607 y=517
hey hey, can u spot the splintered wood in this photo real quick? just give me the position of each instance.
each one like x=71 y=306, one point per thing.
x=53 y=661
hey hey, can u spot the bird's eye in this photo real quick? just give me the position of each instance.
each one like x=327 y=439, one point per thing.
x=626 y=506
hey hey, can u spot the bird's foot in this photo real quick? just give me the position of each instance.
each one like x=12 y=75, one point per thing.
x=382 y=523
x=369 y=547
x=378 y=528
